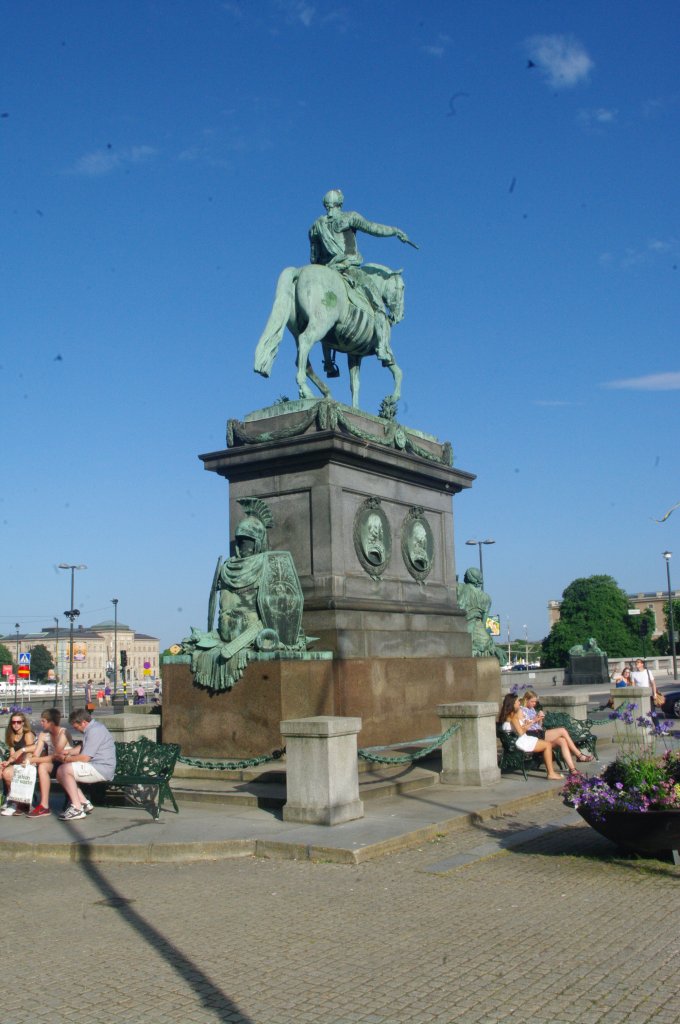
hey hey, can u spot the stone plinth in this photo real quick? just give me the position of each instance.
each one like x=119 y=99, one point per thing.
x=587 y=670
x=317 y=464
x=469 y=757
x=243 y=721
x=395 y=698
x=322 y=777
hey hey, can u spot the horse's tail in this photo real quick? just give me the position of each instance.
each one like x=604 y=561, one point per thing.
x=268 y=345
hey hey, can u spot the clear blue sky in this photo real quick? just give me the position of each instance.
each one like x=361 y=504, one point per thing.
x=162 y=161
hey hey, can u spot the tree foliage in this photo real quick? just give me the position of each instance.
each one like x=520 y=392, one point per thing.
x=593 y=606
x=41 y=662
x=6 y=657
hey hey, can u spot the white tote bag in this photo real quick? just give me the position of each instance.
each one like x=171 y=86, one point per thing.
x=23 y=783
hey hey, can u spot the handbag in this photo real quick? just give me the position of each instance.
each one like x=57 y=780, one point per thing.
x=659 y=699
x=23 y=783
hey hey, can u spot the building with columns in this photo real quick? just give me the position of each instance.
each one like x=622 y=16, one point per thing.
x=93 y=651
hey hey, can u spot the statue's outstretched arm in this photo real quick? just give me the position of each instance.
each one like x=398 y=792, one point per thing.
x=370 y=227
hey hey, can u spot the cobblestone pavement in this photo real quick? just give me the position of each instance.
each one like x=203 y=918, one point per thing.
x=533 y=918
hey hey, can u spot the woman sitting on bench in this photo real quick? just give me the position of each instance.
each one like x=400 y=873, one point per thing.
x=533 y=720
x=510 y=720
x=53 y=739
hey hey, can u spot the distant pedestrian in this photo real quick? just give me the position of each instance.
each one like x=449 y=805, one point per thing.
x=107 y=694
x=100 y=696
x=88 y=694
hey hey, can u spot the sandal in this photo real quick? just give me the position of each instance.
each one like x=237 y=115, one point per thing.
x=585 y=757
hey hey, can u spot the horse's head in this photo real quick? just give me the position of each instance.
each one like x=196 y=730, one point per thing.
x=393 y=294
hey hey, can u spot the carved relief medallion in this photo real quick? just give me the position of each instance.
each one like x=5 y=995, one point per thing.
x=372 y=537
x=417 y=544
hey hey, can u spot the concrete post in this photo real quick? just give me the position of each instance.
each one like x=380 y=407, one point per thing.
x=469 y=757
x=574 y=704
x=640 y=695
x=322 y=773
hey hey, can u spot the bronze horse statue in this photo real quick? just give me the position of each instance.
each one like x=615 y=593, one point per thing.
x=314 y=303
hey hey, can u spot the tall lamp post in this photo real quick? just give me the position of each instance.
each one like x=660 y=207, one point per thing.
x=114 y=602
x=17 y=677
x=56 y=659
x=671 y=628
x=479 y=544
x=72 y=614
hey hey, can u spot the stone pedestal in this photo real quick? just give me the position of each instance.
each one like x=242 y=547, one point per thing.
x=587 y=670
x=322 y=777
x=469 y=757
x=574 y=704
x=243 y=721
x=319 y=466
x=624 y=695
x=127 y=727
x=365 y=507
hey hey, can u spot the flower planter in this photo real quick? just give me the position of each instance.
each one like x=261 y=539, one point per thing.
x=641 y=831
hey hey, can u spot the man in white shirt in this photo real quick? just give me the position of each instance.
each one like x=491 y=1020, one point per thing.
x=643 y=677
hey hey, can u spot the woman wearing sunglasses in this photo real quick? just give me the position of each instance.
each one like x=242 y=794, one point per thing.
x=20 y=739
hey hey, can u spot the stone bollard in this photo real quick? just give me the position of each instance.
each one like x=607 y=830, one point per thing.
x=322 y=774
x=469 y=757
x=127 y=727
x=624 y=695
x=574 y=704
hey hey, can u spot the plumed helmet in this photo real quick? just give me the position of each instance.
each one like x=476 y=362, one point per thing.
x=256 y=530
x=333 y=198
x=473 y=576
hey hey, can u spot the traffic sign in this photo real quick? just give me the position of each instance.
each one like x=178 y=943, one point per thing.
x=25 y=658
x=24 y=672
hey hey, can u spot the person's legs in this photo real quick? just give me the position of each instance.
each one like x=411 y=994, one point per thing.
x=69 y=785
x=545 y=749
x=566 y=752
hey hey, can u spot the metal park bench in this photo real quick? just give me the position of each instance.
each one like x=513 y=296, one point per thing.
x=579 y=730
x=148 y=765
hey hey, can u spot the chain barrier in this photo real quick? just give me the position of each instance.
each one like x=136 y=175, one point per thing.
x=433 y=742
x=232 y=765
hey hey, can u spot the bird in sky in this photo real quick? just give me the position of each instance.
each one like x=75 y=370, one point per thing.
x=665 y=517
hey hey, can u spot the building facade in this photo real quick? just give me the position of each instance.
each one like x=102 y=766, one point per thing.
x=94 y=648
x=652 y=600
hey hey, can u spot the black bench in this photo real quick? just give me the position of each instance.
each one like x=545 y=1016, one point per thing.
x=512 y=759
x=148 y=765
x=580 y=730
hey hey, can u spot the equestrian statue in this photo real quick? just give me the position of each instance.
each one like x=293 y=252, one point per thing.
x=347 y=305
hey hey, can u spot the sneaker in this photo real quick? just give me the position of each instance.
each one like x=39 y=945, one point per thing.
x=10 y=808
x=39 y=811
x=88 y=807
x=72 y=813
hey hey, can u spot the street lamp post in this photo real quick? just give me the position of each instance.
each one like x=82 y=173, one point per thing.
x=671 y=628
x=72 y=614
x=479 y=545
x=17 y=676
x=114 y=602
x=56 y=659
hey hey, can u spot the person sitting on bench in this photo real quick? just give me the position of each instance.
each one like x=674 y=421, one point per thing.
x=95 y=762
x=509 y=721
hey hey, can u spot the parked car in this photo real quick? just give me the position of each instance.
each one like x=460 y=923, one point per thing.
x=671 y=707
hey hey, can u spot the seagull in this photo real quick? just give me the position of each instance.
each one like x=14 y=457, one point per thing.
x=530 y=64
x=452 y=109
x=664 y=518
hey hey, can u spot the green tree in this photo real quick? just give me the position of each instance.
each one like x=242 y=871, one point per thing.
x=593 y=606
x=6 y=656
x=41 y=662
x=661 y=643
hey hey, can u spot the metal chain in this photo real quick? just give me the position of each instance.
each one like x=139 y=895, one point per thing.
x=367 y=753
x=232 y=765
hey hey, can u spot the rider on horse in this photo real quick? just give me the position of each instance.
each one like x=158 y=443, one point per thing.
x=333 y=244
